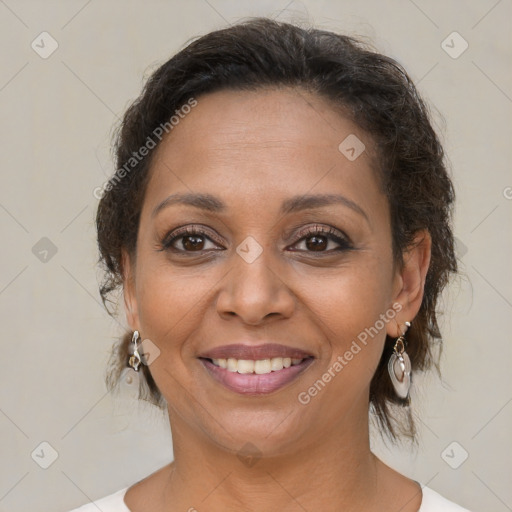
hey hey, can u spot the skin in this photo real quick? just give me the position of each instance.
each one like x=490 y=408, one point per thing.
x=253 y=150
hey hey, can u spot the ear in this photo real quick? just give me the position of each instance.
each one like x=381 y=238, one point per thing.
x=409 y=281
x=130 y=300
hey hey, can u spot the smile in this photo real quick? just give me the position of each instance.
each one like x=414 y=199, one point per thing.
x=260 y=366
x=255 y=377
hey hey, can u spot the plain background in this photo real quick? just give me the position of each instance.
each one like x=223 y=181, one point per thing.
x=57 y=117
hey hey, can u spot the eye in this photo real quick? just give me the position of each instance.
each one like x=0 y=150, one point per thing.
x=314 y=238
x=188 y=239
x=321 y=239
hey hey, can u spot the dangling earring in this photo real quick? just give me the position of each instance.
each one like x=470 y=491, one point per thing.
x=135 y=359
x=399 y=367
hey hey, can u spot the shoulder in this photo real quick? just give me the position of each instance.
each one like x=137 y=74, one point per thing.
x=434 y=502
x=112 y=503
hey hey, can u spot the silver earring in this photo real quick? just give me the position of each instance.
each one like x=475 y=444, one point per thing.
x=135 y=359
x=399 y=367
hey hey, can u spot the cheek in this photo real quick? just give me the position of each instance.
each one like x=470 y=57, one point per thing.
x=171 y=303
x=163 y=303
x=169 y=307
x=353 y=299
x=353 y=315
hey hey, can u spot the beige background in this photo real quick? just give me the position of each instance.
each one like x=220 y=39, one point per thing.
x=57 y=114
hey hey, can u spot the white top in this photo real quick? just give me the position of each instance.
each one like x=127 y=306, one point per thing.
x=431 y=502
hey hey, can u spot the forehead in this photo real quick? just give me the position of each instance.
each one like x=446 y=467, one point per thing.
x=260 y=146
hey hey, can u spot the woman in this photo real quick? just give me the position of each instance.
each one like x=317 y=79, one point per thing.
x=280 y=225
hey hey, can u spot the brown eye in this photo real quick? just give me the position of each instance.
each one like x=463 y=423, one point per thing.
x=188 y=239
x=323 y=240
x=193 y=242
x=317 y=243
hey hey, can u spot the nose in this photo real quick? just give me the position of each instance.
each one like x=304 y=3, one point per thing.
x=254 y=292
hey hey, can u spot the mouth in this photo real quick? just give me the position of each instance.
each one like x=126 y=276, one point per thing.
x=255 y=370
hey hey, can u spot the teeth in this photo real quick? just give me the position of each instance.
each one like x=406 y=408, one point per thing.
x=276 y=363
x=262 y=366
x=245 y=366
x=259 y=367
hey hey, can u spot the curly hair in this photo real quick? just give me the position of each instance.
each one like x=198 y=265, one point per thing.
x=372 y=90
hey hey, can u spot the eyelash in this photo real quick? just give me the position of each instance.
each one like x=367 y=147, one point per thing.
x=330 y=233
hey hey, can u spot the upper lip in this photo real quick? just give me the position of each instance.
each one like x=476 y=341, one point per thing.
x=254 y=352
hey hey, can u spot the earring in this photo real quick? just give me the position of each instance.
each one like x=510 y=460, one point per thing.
x=135 y=359
x=399 y=367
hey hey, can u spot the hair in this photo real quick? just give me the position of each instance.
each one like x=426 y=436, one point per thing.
x=372 y=90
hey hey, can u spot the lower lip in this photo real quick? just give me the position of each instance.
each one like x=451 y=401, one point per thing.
x=252 y=383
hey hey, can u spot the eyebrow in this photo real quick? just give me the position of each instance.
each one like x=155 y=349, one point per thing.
x=306 y=202
x=202 y=201
x=294 y=204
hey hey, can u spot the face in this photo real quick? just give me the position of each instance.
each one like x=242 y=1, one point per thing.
x=281 y=254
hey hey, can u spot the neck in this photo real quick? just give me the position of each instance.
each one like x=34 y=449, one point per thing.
x=335 y=469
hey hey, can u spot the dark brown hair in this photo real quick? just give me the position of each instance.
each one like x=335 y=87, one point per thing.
x=376 y=94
